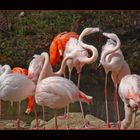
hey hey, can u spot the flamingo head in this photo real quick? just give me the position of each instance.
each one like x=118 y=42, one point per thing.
x=110 y=35
x=35 y=68
x=133 y=100
x=91 y=30
x=85 y=98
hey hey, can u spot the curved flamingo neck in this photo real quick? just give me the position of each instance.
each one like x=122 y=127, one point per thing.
x=63 y=66
x=6 y=69
x=105 y=54
x=47 y=69
x=94 y=51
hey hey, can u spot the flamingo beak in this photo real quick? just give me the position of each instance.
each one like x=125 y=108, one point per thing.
x=60 y=52
x=99 y=66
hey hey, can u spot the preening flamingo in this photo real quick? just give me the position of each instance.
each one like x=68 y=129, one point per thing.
x=112 y=60
x=30 y=98
x=129 y=91
x=79 y=51
x=15 y=88
x=58 y=45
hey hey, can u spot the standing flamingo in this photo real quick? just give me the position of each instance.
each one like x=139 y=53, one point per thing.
x=129 y=91
x=0 y=99
x=56 y=92
x=46 y=68
x=112 y=60
x=79 y=51
x=30 y=98
x=15 y=88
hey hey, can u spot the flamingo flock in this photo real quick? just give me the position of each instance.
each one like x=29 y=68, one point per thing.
x=44 y=87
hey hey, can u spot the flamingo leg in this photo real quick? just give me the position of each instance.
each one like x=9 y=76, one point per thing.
x=116 y=106
x=34 y=108
x=67 y=117
x=0 y=108
x=43 y=116
x=106 y=103
x=55 y=116
x=19 y=117
x=66 y=109
x=12 y=104
x=78 y=85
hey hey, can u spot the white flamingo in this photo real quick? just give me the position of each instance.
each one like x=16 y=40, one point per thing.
x=79 y=50
x=0 y=99
x=129 y=91
x=112 y=60
x=56 y=92
x=15 y=88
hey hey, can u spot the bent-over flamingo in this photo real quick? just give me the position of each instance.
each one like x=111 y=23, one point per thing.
x=129 y=91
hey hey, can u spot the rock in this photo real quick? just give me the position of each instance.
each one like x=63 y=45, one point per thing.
x=95 y=122
x=135 y=124
x=11 y=124
x=75 y=121
x=40 y=123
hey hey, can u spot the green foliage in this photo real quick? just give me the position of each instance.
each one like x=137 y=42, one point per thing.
x=34 y=32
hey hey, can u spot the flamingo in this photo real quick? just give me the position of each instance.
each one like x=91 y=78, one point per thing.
x=0 y=69
x=56 y=92
x=0 y=99
x=129 y=91
x=36 y=66
x=15 y=88
x=30 y=98
x=58 y=45
x=79 y=50
x=46 y=70
x=112 y=60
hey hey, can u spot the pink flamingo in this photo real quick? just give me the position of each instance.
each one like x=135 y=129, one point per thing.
x=15 y=88
x=30 y=98
x=79 y=51
x=0 y=99
x=112 y=60
x=37 y=64
x=56 y=92
x=47 y=72
x=129 y=91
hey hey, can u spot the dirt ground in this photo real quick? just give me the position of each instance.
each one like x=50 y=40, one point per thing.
x=75 y=122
